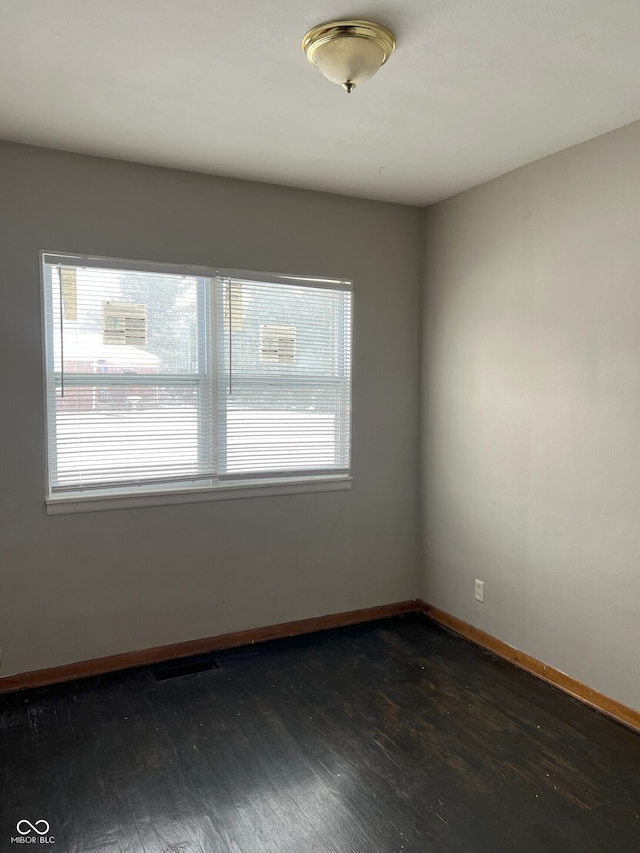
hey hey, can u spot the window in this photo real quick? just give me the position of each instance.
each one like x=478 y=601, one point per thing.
x=179 y=380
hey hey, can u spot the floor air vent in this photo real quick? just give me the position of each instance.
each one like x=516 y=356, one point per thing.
x=181 y=668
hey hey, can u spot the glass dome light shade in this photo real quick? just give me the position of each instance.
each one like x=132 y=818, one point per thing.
x=349 y=59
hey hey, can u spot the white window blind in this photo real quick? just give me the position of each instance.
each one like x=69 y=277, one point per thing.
x=162 y=378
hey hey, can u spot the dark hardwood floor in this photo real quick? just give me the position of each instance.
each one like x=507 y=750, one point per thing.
x=390 y=736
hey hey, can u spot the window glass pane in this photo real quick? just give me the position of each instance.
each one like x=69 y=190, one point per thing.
x=116 y=321
x=287 y=371
x=108 y=434
x=128 y=393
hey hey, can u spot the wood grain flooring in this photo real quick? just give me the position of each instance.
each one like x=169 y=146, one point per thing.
x=390 y=736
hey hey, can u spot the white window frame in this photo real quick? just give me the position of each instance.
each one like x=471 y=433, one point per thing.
x=148 y=495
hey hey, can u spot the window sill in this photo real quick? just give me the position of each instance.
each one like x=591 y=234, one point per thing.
x=100 y=502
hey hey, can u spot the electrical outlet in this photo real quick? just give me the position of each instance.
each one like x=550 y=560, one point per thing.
x=480 y=591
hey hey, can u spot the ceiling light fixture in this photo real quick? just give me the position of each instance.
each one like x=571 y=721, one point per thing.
x=348 y=52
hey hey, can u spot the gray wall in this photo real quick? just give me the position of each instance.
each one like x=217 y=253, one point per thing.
x=531 y=410
x=79 y=586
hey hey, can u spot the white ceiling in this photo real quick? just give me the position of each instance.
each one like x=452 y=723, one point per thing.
x=474 y=89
